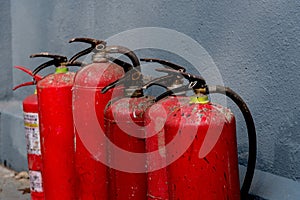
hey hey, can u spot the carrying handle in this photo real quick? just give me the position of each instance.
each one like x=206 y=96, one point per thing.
x=100 y=44
x=161 y=81
x=132 y=78
x=165 y=63
x=197 y=83
x=165 y=81
x=58 y=60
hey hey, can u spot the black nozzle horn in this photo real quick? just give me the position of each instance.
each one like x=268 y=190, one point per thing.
x=166 y=63
x=93 y=42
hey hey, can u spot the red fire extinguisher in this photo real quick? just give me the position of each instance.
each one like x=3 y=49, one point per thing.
x=155 y=144
x=124 y=117
x=32 y=133
x=87 y=101
x=56 y=128
x=201 y=153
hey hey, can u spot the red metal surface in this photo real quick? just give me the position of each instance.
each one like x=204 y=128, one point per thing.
x=32 y=133
x=87 y=98
x=119 y=119
x=57 y=135
x=30 y=108
x=213 y=177
x=157 y=180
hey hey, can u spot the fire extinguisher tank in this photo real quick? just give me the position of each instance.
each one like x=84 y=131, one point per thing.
x=157 y=176
x=31 y=124
x=87 y=99
x=201 y=160
x=125 y=127
x=57 y=134
x=182 y=177
x=56 y=128
x=90 y=148
x=128 y=114
x=218 y=170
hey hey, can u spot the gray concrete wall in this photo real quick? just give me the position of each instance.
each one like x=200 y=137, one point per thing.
x=6 y=51
x=255 y=45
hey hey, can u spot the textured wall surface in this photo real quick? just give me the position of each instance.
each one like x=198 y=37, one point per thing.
x=255 y=45
x=5 y=52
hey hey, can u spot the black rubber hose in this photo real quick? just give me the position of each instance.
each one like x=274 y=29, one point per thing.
x=251 y=134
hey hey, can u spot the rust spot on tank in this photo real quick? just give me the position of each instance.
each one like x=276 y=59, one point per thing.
x=226 y=112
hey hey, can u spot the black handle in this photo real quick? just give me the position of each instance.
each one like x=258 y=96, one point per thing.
x=125 y=65
x=100 y=45
x=163 y=81
x=57 y=60
x=56 y=57
x=170 y=79
x=93 y=42
x=127 y=52
x=166 y=63
x=132 y=78
x=195 y=81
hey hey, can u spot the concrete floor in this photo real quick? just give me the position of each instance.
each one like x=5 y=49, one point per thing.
x=13 y=186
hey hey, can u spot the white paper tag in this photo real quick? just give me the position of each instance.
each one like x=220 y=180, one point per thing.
x=32 y=133
x=35 y=178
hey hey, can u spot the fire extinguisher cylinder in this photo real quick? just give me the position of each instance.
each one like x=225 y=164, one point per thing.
x=122 y=118
x=56 y=128
x=90 y=146
x=209 y=146
x=32 y=133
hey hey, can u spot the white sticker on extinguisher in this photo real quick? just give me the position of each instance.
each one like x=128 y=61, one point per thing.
x=35 y=178
x=32 y=133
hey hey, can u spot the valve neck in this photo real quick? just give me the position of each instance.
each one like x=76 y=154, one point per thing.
x=199 y=99
x=61 y=69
